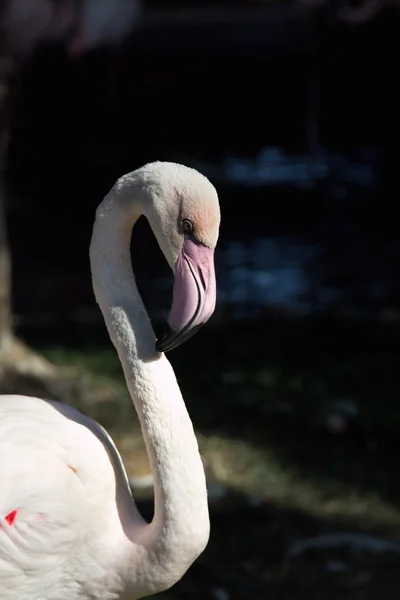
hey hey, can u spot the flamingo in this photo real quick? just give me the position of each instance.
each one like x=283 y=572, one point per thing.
x=69 y=527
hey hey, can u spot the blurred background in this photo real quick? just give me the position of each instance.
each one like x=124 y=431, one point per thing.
x=290 y=107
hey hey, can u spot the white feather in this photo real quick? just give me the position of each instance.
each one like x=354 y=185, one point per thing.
x=77 y=534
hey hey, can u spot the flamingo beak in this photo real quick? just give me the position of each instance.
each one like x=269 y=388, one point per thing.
x=194 y=295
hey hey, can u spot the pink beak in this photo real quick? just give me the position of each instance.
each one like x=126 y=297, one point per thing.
x=194 y=295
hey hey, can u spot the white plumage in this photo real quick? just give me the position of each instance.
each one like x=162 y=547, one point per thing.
x=62 y=483
x=69 y=528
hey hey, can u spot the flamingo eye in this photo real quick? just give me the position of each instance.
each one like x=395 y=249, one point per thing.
x=187 y=226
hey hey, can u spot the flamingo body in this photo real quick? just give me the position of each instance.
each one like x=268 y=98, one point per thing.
x=58 y=471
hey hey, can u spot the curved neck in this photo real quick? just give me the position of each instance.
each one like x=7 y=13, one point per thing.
x=180 y=528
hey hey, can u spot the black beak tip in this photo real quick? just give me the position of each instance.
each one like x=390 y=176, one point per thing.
x=170 y=339
x=162 y=342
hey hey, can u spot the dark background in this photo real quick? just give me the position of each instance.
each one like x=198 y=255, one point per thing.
x=295 y=120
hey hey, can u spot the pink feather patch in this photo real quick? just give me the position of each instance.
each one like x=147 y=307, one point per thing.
x=10 y=518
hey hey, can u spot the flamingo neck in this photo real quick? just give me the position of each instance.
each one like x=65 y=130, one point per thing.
x=180 y=528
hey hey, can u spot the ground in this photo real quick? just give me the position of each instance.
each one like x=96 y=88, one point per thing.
x=298 y=424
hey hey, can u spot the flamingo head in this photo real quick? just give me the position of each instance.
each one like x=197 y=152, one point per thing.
x=183 y=210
